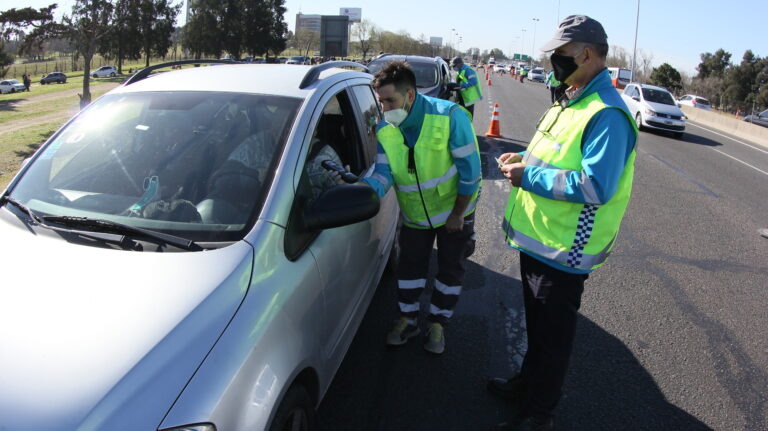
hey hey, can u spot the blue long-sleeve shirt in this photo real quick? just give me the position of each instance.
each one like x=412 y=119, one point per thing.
x=471 y=76
x=461 y=144
x=607 y=143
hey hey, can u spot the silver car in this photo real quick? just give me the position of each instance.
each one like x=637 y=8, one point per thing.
x=536 y=74
x=179 y=257
x=654 y=108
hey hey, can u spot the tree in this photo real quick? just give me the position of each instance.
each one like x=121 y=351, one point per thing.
x=497 y=54
x=618 y=57
x=306 y=40
x=17 y=21
x=89 y=22
x=668 y=77
x=124 y=41
x=202 y=32
x=363 y=31
x=157 y=19
x=714 y=64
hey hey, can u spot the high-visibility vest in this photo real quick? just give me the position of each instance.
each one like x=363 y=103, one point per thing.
x=427 y=202
x=575 y=235
x=552 y=81
x=472 y=94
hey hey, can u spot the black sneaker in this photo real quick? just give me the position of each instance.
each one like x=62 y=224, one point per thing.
x=509 y=389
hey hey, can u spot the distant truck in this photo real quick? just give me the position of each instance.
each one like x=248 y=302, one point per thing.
x=620 y=77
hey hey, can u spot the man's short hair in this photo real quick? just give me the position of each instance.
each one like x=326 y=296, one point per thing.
x=398 y=73
x=600 y=49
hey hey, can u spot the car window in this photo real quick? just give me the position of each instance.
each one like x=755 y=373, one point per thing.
x=658 y=96
x=625 y=74
x=426 y=73
x=371 y=116
x=194 y=164
x=702 y=101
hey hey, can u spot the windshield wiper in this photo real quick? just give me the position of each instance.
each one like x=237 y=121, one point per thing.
x=102 y=225
x=35 y=218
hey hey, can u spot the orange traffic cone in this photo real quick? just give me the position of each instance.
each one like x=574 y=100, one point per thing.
x=494 y=130
x=489 y=82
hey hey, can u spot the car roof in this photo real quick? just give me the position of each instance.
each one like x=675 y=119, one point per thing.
x=274 y=79
x=407 y=58
x=651 y=87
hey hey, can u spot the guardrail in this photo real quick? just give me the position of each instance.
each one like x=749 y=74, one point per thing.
x=728 y=124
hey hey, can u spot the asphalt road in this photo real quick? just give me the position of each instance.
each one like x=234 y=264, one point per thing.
x=672 y=331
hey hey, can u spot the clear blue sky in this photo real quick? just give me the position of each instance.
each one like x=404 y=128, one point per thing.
x=674 y=31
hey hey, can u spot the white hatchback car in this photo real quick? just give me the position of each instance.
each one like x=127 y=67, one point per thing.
x=536 y=74
x=11 y=86
x=104 y=72
x=182 y=258
x=695 y=101
x=654 y=108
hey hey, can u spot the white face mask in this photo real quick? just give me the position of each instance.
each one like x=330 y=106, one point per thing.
x=396 y=117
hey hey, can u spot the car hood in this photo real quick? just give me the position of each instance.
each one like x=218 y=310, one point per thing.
x=103 y=339
x=661 y=108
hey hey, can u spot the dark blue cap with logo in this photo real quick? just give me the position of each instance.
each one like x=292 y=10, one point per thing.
x=577 y=28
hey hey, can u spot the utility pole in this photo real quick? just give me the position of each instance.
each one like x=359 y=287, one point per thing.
x=634 y=53
x=533 y=45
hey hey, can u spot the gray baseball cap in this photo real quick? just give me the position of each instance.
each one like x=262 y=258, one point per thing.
x=577 y=28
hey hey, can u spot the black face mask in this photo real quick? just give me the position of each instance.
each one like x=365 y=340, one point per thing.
x=563 y=66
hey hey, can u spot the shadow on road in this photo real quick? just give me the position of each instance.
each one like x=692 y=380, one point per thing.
x=689 y=137
x=408 y=389
x=9 y=105
x=31 y=148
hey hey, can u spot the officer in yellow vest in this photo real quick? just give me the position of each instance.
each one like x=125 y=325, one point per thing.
x=469 y=86
x=428 y=151
x=569 y=193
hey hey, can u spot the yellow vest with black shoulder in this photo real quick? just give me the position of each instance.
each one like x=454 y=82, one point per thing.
x=575 y=235
x=428 y=195
x=472 y=94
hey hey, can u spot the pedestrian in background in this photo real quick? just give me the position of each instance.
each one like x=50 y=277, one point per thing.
x=469 y=86
x=428 y=151
x=570 y=191
x=552 y=83
x=27 y=82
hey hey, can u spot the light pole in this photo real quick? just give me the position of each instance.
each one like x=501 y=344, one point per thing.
x=533 y=45
x=453 y=30
x=522 y=45
x=634 y=53
x=558 y=11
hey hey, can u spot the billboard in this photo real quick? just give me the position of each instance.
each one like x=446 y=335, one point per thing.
x=355 y=14
x=334 y=35
x=436 y=41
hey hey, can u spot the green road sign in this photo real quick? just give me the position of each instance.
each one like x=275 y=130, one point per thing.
x=521 y=57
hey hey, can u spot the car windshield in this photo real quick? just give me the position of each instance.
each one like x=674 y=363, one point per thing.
x=426 y=73
x=702 y=101
x=658 y=96
x=190 y=164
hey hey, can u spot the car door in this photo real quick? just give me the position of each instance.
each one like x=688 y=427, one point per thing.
x=347 y=256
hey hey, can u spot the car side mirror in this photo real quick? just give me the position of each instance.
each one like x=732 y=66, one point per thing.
x=341 y=205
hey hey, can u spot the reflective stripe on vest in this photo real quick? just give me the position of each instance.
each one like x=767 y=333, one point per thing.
x=575 y=235
x=436 y=171
x=472 y=94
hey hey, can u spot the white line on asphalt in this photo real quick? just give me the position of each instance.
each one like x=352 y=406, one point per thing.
x=740 y=161
x=726 y=136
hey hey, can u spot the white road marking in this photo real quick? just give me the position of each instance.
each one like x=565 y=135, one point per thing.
x=741 y=161
x=728 y=137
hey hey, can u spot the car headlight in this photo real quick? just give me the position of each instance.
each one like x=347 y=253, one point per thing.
x=196 y=427
x=650 y=112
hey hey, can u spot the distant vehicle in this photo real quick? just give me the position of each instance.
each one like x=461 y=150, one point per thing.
x=492 y=60
x=298 y=59
x=11 y=86
x=104 y=71
x=760 y=119
x=500 y=68
x=620 y=77
x=56 y=77
x=654 y=107
x=695 y=101
x=432 y=73
x=537 y=74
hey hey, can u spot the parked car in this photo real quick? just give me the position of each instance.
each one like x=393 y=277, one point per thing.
x=181 y=258
x=500 y=68
x=760 y=119
x=298 y=59
x=56 y=77
x=620 y=77
x=432 y=73
x=695 y=101
x=537 y=74
x=654 y=107
x=11 y=86
x=104 y=71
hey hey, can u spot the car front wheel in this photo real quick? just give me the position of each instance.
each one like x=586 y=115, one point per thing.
x=296 y=412
x=112 y=74
x=639 y=121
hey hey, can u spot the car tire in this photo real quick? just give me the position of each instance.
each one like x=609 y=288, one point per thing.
x=112 y=75
x=94 y=76
x=296 y=411
x=13 y=90
x=639 y=121
x=58 y=81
